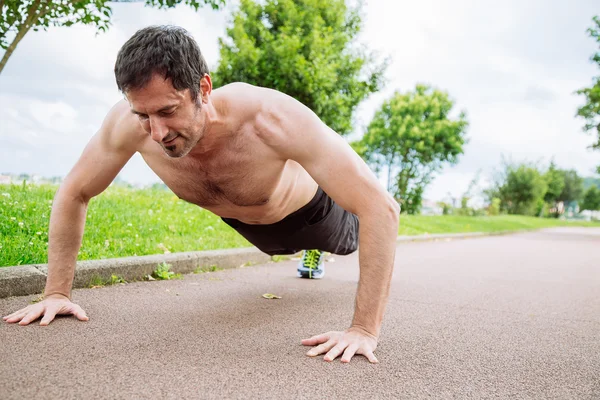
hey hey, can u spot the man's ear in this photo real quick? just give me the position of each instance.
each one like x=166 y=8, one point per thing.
x=205 y=87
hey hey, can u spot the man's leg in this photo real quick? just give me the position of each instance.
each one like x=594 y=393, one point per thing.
x=330 y=229
x=318 y=227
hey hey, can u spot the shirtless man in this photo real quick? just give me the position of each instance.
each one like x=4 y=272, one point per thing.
x=256 y=157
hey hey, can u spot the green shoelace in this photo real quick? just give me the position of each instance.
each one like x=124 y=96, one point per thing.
x=311 y=260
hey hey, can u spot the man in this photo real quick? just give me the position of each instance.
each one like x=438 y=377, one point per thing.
x=256 y=157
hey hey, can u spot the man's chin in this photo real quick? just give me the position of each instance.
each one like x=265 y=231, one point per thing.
x=173 y=152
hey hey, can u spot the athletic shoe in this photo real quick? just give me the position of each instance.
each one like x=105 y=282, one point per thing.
x=312 y=265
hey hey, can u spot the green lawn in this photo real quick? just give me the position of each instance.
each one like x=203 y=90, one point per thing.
x=123 y=222
x=419 y=224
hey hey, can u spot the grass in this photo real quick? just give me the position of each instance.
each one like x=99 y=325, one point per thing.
x=162 y=273
x=97 y=281
x=120 y=222
x=202 y=270
x=124 y=222
x=422 y=224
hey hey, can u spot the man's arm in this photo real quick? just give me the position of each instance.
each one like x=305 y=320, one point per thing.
x=103 y=157
x=296 y=133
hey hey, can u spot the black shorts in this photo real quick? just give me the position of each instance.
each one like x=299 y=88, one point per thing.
x=319 y=225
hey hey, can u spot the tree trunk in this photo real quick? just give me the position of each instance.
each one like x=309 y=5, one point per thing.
x=23 y=29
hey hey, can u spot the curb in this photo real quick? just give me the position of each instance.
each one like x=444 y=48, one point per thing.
x=26 y=280
x=31 y=279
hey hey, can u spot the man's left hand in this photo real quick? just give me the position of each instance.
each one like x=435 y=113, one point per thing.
x=350 y=342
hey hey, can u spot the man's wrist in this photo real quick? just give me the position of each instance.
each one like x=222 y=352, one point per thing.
x=56 y=292
x=362 y=329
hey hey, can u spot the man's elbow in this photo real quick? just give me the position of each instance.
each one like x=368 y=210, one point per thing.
x=383 y=207
x=393 y=206
x=388 y=208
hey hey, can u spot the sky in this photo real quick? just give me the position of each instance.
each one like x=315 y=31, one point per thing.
x=512 y=66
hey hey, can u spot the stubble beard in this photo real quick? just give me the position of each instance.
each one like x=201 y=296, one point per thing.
x=188 y=145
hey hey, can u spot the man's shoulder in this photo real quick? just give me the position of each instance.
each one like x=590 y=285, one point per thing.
x=242 y=92
x=272 y=112
x=121 y=128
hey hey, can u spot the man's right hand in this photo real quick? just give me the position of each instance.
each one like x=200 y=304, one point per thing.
x=55 y=304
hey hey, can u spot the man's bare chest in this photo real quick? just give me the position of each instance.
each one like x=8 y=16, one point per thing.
x=230 y=178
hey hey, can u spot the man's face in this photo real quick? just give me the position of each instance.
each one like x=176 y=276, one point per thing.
x=170 y=117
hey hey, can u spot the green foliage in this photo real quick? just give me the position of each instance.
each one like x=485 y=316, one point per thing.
x=97 y=281
x=135 y=222
x=195 y=4
x=120 y=222
x=424 y=224
x=556 y=183
x=162 y=272
x=114 y=279
x=591 y=199
x=494 y=207
x=520 y=188
x=590 y=111
x=555 y=180
x=573 y=186
x=202 y=270
x=412 y=135
x=17 y=17
x=305 y=49
x=446 y=207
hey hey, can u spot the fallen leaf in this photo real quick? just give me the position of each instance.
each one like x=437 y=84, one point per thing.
x=270 y=296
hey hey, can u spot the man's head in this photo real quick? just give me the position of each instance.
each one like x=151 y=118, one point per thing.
x=161 y=71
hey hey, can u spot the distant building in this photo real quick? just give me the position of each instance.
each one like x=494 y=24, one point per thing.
x=590 y=215
x=5 y=179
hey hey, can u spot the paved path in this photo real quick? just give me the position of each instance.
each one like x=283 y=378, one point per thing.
x=498 y=317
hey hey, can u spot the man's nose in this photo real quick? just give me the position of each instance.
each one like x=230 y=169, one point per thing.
x=158 y=130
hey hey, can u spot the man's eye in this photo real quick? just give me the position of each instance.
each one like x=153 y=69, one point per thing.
x=142 y=117
x=168 y=113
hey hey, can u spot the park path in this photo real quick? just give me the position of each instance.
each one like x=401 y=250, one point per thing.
x=514 y=316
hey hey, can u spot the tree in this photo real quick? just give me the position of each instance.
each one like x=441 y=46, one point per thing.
x=556 y=183
x=523 y=190
x=573 y=188
x=412 y=135
x=520 y=187
x=591 y=199
x=590 y=111
x=17 y=17
x=305 y=49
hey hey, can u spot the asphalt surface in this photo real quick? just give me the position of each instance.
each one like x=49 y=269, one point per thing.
x=513 y=316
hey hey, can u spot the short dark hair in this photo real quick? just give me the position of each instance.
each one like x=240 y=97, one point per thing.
x=166 y=50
